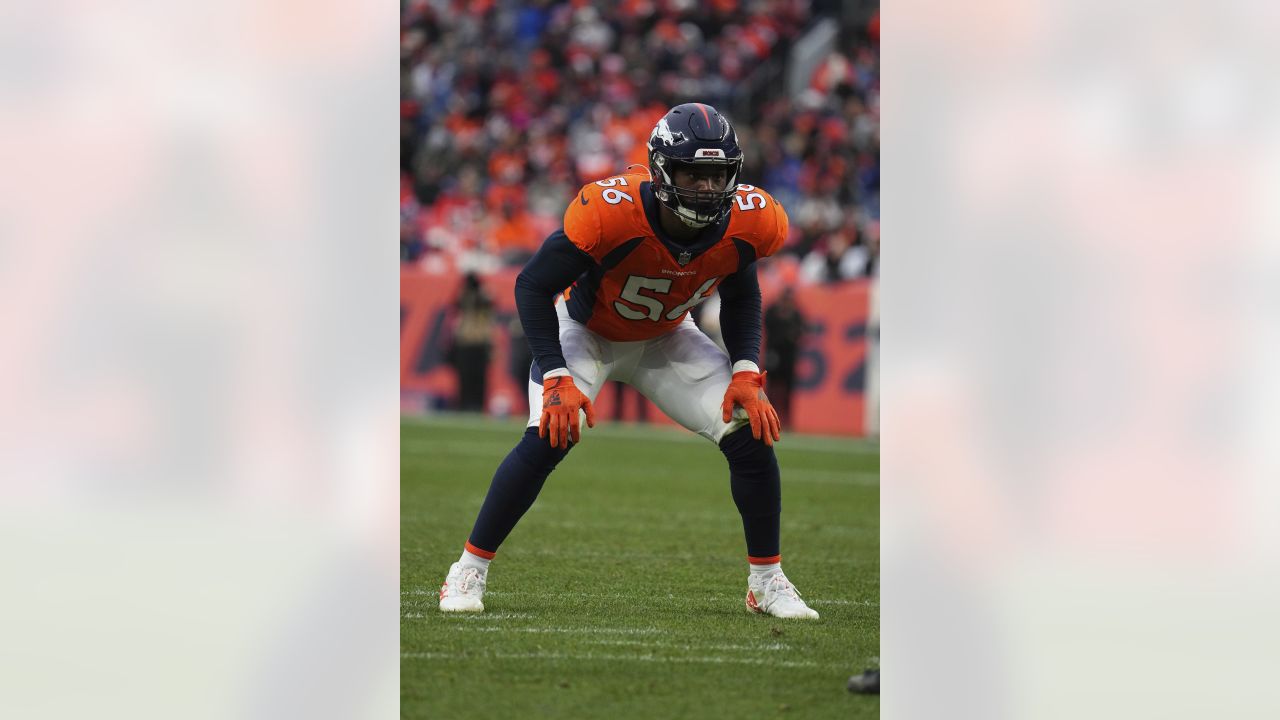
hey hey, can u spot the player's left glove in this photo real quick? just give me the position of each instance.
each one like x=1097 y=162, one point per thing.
x=747 y=389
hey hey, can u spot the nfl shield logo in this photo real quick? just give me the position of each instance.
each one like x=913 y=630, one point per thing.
x=684 y=258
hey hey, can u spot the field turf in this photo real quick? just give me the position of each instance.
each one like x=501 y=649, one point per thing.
x=620 y=594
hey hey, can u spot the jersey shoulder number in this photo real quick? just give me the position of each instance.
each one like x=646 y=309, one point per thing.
x=604 y=214
x=758 y=219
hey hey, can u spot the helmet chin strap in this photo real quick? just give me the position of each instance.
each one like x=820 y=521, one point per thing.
x=690 y=221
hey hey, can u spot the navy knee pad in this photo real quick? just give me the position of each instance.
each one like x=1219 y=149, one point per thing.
x=753 y=473
x=537 y=453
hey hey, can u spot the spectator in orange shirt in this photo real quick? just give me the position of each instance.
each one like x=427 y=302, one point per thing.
x=514 y=239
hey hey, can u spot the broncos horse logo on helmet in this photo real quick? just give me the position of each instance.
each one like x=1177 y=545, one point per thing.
x=694 y=134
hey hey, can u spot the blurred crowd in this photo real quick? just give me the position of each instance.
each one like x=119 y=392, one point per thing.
x=508 y=108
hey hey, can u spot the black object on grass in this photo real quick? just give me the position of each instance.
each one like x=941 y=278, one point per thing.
x=867 y=683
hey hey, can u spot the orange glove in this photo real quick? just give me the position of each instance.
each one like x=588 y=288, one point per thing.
x=561 y=400
x=747 y=389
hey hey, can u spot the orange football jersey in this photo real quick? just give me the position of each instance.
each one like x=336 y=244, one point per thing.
x=644 y=283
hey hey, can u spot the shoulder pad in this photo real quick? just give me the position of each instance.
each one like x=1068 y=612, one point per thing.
x=605 y=214
x=759 y=220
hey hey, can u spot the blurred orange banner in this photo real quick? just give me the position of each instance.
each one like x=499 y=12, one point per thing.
x=831 y=372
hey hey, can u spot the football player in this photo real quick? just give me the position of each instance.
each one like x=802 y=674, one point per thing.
x=608 y=298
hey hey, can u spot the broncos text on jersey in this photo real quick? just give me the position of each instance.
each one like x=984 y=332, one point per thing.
x=644 y=283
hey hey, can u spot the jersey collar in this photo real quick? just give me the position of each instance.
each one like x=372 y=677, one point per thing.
x=708 y=237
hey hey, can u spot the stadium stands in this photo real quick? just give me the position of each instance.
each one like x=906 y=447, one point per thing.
x=507 y=108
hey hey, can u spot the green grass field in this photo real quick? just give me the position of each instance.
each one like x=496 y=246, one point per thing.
x=620 y=594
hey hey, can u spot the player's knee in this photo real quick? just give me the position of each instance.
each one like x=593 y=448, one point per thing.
x=537 y=452
x=753 y=474
x=741 y=449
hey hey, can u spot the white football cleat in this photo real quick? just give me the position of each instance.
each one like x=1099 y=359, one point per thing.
x=462 y=590
x=776 y=596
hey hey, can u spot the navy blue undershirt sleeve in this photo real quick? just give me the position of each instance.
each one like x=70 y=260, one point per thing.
x=740 y=318
x=552 y=269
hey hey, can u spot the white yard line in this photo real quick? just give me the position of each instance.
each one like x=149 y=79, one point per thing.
x=863 y=603
x=469 y=617
x=570 y=631
x=522 y=594
x=712 y=659
x=685 y=646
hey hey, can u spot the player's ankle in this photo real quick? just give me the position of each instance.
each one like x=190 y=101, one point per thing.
x=472 y=558
x=764 y=569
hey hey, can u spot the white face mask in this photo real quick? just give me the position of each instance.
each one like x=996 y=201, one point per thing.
x=690 y=218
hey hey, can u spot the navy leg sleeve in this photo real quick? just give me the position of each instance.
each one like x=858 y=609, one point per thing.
x=514 y=488
x=757 y=490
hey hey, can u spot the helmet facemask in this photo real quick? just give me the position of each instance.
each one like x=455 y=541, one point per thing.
x=695 y=208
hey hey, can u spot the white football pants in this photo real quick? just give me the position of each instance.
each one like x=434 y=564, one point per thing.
x=683 y=372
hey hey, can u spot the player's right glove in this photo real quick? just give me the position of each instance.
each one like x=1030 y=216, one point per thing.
x=561 y=400
x=747 y=389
